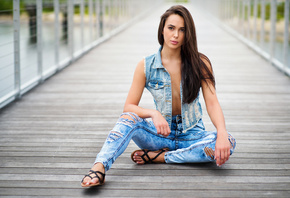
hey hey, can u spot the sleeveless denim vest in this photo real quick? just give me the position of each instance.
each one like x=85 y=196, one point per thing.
x=158 y=83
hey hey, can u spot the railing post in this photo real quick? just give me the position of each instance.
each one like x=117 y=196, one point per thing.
x=286 y=35
x=56 y=33
x=262 y=33
x=255 y=20
x=273 y=30
x=101 y=18
x=97 y=8
x=82 y=23
x=119 y=10
x=229 y=10
x=109 y=4
x=91 y=20
x=124 y=8
x=112 y=14
x=39 y=39
x=97 y=18
x=249 y=18
x=243 y=18
x=17 y=71
x=226 y=11
x=223 y=9
x=233 y=10
x=238 y=13
x=70 y=5
x=116 y=13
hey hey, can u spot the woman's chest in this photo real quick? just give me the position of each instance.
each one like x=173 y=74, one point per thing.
x=175 y=79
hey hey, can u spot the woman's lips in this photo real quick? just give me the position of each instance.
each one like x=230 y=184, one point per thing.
x=174 y=42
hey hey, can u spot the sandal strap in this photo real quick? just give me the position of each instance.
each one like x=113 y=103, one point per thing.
x=85 y=177
x=95 y=172
x=96 y=176
x=149 y=160
x=162 y=150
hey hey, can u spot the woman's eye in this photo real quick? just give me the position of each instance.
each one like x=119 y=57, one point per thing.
x=182 y=30
x=171 y=28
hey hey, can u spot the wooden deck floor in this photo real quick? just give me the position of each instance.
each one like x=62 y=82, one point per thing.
x=49 y=139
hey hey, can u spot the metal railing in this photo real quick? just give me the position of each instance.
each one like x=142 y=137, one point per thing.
x=261 y=24
x=40 y=37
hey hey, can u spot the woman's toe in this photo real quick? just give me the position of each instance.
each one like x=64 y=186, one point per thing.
x=94 y=181
x=86 y=182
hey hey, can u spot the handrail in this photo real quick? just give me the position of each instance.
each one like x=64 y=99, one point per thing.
x=49 y=35
x=258 y=23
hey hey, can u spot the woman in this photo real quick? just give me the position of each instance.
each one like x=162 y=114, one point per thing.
x=175 y=133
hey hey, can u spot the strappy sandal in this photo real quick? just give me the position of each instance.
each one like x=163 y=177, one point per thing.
x=101 y=181
x=146 y=151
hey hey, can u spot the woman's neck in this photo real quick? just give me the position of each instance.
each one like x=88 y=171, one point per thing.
x=171 y=54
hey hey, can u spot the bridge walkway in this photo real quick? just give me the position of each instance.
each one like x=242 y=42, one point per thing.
x=49 y=138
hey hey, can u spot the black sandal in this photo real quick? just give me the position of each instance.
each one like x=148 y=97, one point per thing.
x=149 y=160
x=101 y=181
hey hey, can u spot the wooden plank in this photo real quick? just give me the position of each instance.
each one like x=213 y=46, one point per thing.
x=124 y=159
x=143 y=192
x=148 y=172
x=128 y=165
x=115 y=185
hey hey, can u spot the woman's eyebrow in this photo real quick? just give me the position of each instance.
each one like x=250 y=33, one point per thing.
x=174 y=26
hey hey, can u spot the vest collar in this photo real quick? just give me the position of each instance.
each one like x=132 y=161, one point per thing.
x=158 y=61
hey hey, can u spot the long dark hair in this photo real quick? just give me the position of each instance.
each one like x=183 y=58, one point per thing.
x=194 y=69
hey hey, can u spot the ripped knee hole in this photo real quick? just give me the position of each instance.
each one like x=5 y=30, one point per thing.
x=209 y=152
x=114 y=135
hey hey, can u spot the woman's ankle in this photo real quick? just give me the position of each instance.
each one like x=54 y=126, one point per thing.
x=99 y=167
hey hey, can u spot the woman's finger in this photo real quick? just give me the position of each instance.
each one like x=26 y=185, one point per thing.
x=158 y=128
x=222 y=157
x=168 y=130
x=228 y=154
x=217 y=157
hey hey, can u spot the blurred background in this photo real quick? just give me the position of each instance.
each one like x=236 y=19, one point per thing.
x=40 y=37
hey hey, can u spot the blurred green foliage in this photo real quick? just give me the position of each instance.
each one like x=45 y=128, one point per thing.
x=6 y=8
x=279 y=11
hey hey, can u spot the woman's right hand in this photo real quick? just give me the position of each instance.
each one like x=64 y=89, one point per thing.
x=160 y=124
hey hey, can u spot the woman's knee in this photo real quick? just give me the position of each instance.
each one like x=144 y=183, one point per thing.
x=125 y=125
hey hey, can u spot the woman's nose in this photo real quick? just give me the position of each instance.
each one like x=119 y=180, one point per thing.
x=176 y=34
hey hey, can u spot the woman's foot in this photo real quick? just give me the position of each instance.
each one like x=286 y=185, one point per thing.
x=95 y=177
x=145 y=156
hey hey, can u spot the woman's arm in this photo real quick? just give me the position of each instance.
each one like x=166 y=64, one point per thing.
x=222 y=148
x=134 y=97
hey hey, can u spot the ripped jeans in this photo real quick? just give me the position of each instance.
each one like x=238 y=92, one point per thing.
x=188 y=147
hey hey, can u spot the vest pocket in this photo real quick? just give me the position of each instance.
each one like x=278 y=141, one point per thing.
x=156 y=84
x=157 y=89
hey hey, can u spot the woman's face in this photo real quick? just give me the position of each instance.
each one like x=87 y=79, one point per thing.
x=173 y=31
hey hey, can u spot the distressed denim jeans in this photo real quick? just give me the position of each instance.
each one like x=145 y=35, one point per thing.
x=188 y=147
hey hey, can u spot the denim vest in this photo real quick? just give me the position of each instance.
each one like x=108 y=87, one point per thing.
x=158 y=83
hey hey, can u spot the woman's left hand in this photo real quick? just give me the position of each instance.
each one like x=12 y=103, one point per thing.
x=222 y=149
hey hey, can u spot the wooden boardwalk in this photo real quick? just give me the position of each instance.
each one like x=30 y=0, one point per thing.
x=49 y=139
